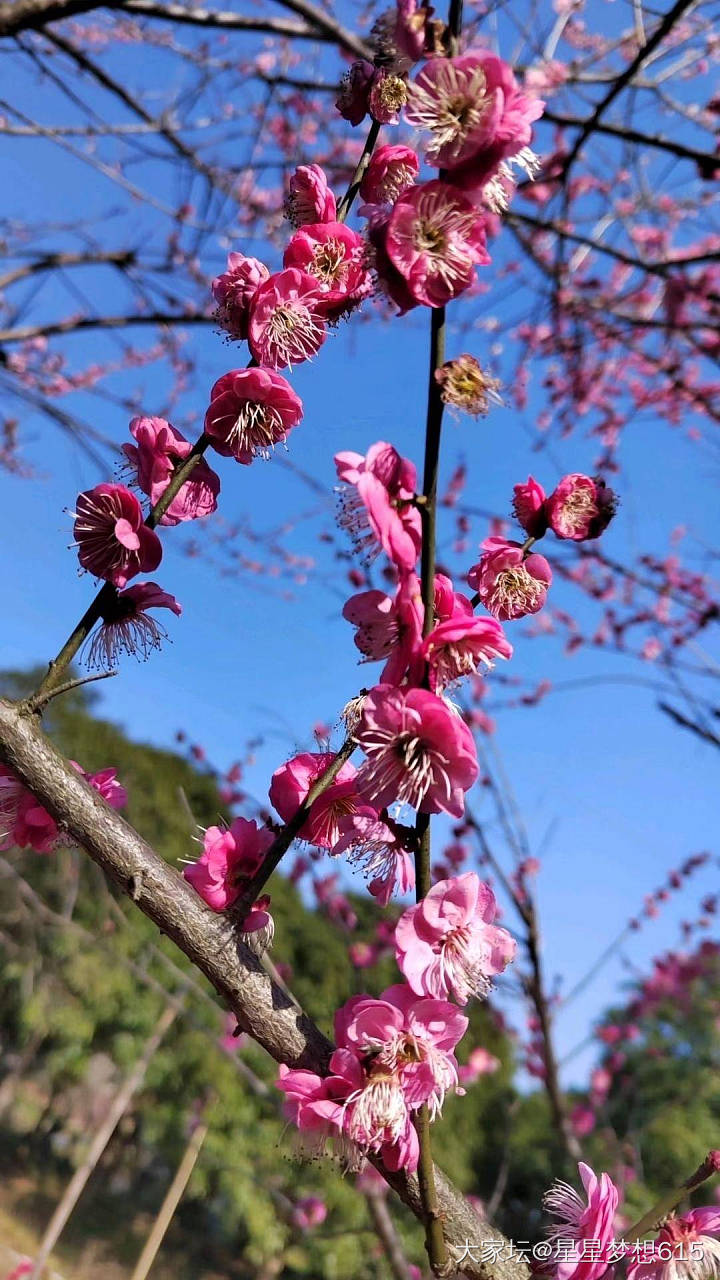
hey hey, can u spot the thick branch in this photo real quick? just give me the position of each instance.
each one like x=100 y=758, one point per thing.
x=328 y=30
x=261 y=1007
x=29 y=15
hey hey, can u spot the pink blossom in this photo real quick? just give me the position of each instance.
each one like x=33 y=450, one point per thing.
x=418 y=750
x=529 y=507
x=291 y=784
x=448 y=945
x=387 y=96
x=510 y=584
x=582 y=1120
x=476 y=112
x=352 y=100
x=391 y=281
x=392 y=169
x=250 y=411
x=112 y=539
x=309 y=1211
x=310 y=198
x=684 y=1248
x=376 y=506
x=234 y=290
x=126 y=626
x=394 y=1054
x=230 y=856
x=158 y=450
x=377 y=848
x=413 y=29
x=390 y=628
x=286 y=324
x=434 y=238
x=25 y=824
x=580 y=507
x=106 y=784
x=458 y=646
x=480 y=1063
x=334 y=256
x=578 y=1222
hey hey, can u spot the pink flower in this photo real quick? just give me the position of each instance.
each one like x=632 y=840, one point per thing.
x=685 y=1248
x=373 y=845
x=392 y=169
x=409 y=1036
x=580 y=507
x=390 y=628
x=387 y=96
x=112 y=539
x=250 y=411
x=126 y=626
x=582 y=1120
x=310 y=198
x=231 y=855
x=458 y=646
x=352 y=100
x=480 y=1063
x=377 y=507
x=234 y=290
x=578 y=1222
x=418 y=751
x=310 y=1211
x=413 y=29
x=159 y=449
x=341 y=800
x=434 y=238
x=529 y=508
x=509 y=584
x=390 y=280
x=24 y=823
x=286 y=324
x=448 y=945
x=476 y=112
x=334 y=256
x=394 y=1055
x=106 y=784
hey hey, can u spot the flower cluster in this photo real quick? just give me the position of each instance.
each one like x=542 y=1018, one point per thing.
x=393 y=1056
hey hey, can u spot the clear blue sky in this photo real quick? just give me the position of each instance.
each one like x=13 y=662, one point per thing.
x=625 y=795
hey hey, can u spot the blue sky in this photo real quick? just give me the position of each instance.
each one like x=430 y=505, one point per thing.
x=624 y=795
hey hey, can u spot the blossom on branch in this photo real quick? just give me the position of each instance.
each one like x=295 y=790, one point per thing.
x=393 y=168
x=126 y=626
x=529 y=508
x=434 y=238
x=376 y=506
x=448 y=944
x=394 y=1055
x=577 y=1222
x=250 y=411
x=419 y=751
x=158 y=450
x=112 y=538
x=580 y=507
x=340 y=800
x=234 y=290
x=509 y=583
x=334 y=256
x=230 y=857
x=286 y=324
x=310 y=198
